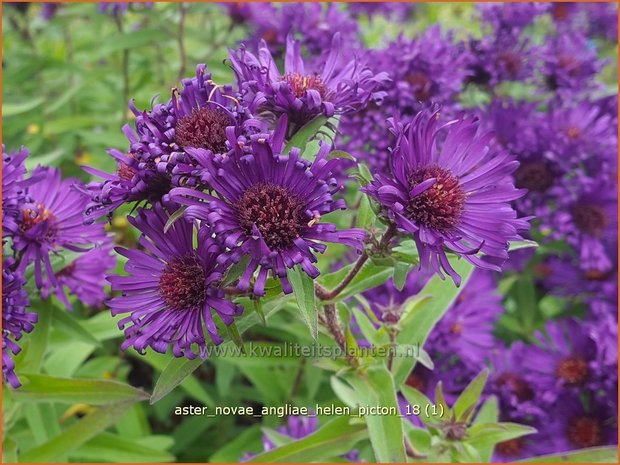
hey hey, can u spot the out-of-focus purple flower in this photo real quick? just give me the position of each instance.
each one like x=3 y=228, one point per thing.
x=502 y=57
x=466 y=328
x=85 y=276
x=563 y=359
x=397 y=11
x=313 y=24
x=269 y=206
x=15 y=319
x=570 y=62
x=580 y=425
x=602 y=19
x=337 y=87
x=454 y=196
x=516 y=386
x=201 y=115
x=48 y=10
x=172 y=291
x=587 y=217
x=51 y=221
x=510 y=17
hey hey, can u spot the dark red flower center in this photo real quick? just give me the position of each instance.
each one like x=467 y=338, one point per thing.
x=124 y=171
x=534 y=176
x=441 y=205
x=584 y=431
x=423 y=86
x=573 y=370
x=275 y=210
x=182 y=284
x=32 y=217
x=590 y=219
x=597 y=275
x=517 y=385
x=510 y=448
x=204 y=128
x=511 y=62
x=300 y=83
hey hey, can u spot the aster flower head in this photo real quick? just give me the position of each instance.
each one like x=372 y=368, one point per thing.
x=200 y=115
x=395 y=11
x=586 y=217
x=452 y=195
x=15 y=319
x=570 y=62
x=563 y=358
x=13 y=188
x=466 y=330
x=511 y=17
x=172 y=289
x=301 y=93
x=51 y=221
x=269 y=206
x=84 y=277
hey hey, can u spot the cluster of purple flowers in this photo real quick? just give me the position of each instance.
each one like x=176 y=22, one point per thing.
x=42 y=223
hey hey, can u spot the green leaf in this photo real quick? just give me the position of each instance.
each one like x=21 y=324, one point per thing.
x=305 y=134
x=483 y=435
x=303 y=286
x=37 y=340
x=401 y=271
x=370 y=276
x=518 y=245
x=12 y=109
x=469 y=398
x=177 y=215
x=233 y=332
x=438 y=295
x=9 y=450
x=43 y=388
x=417 y=398
x=76 y=435
x=365 y=214
x=178 y=369
x=336 y=437
x=340 y=154
x=590 y=455
x=108 y=447
x=375 y=387
x=488 y=413
x=236 y=270
x=65 y=322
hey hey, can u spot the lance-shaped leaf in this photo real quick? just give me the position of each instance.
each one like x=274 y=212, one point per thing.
x=303 y=286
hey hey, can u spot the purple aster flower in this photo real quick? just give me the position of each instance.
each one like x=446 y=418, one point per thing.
x=586 y=218
x=13 y=189
x=570 y=62
x=511 y=17
x=584 y=135
x=314 y=24
x=85 y=276
x=269 y=205
x=565 y=276
x=466 y=328
x=15 y=319
x=201 y=115
x=452 y=196
x=172 y=291
x=51 y=221
x=398 y=11
x=516 y=386
x=502 y=57
x=337 y=87
x=562 y=360
x=430 y=68
x=602 y=19
x=580 y=425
